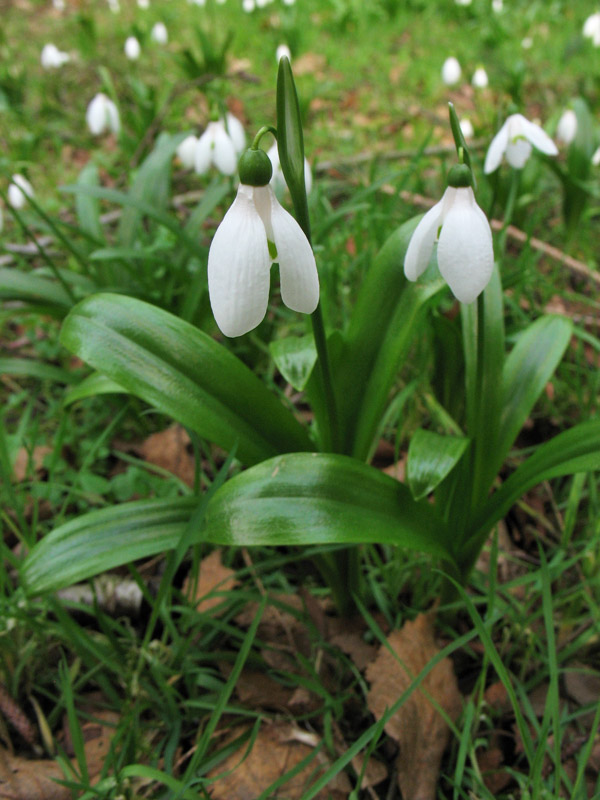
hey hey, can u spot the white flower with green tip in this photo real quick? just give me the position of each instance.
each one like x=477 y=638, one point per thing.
x=515 y=140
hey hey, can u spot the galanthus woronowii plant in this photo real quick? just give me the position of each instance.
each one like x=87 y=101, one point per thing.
x=313 y=485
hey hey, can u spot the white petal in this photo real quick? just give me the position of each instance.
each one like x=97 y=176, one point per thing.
x=95 y=115
x=421 y=243
x=566 y=129
x=204 y=148
x=517 y=153
x=239 y=268
x=186 y=152
x=465 y=251
x=539 y=139
x=18 y=191
x=496 y=150
x=297 y=267
x=235 y=129
x=112 y=115
x=224 y=155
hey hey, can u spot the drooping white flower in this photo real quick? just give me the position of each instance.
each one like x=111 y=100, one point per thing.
x=566 y=129
x=288 y=2
x=53 y=58
x=114 y=5
x=465 y=252
x=159 y=33
x=527 y=43
x=514 y=140
x=248 y=6
x=18 y=191
x=463 y=2
x=239 y=262
x=143 y=4
x=283 y=51
x=186 y=152
x=497 y=6
x=59 y=5
x=591 y=28
x=220 y=146
x=132 y=48
x=596 y=158
x=278 y=181
x=102 y=115
x=480 y=78
x=451 y=71
x=466 y=127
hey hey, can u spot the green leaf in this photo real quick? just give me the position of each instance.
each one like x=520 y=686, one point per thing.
x=184 y=373
x=312 y=498
x=87 y=207
x=91 y=386
x=431 y=457
x=295 y=358
x=133 y=253
x=29 y=368
x=41 y=293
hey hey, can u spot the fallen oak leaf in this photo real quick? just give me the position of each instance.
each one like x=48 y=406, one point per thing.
x=214 y=578
x=31 y=779
x=418 y=727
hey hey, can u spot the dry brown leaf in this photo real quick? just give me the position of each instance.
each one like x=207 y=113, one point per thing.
x=168 y=450
x=353 y=644
x=213 y=577
x=278 y=748
x=419 y=729
x=30 y=779
x=309 y=63
x=25 y=460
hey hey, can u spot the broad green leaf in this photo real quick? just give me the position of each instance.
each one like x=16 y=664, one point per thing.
x=91 y=386
x=184 y=373
x=87 y=207
x=575 y=450
x=295 y=358
x=431 y=457
x=312 y=498
x=34 y=290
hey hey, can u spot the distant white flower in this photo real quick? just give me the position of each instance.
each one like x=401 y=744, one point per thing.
x=288 y=2
x=132 y=48
x=283 y=51
x=143 y=3
x=591 y=28
x=566 y=129
x=197 y=2
x=102 y=115
x=18 y=191
x=186 y=152
x=480 y=78
x=220 y=145
x=497 y=6
x=451 y=71
x=53 y=58
x=467 y=128
x=114 y=5
x=463 y=2
x=59 y=5
x=527 y=43
x=514 y=140
x=278 y=181
x=261 y=3
x=596 y=158
x=465 y=251
x=239 y=262
x=248 y=6
x=159 y=33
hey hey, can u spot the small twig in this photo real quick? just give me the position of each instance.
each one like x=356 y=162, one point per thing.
x=16 y=716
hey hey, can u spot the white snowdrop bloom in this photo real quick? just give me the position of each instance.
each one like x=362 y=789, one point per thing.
x=278 y=181
x=480 y=78
x=59 y=5
x=143 y=4
x=514 y=140
x=102 y=115
x=235 y=129
x=239 y=262
x=591 y=28
x=283 y=51
x=132 y=48
x=451 y=71
x=261 y=3
x=216 y=148
x=566 y=129
x=465 y=252
x=18 y=191
x=596 y=158
x=463 y=2
x=467 y=128
x=248 y=6
x=115 y=6
x=497 y=6
x=288 y=2
x=159 y=33
x=53 y=58
x=197 y=2
x=186 y=152
x=527 y=43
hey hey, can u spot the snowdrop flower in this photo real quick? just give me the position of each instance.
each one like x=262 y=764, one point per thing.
x=467 y=128
x=248 y=6
x=143 y=3
x=59 y=5
x=514 y=140
x=220 y=145
x=159 y=33
x=114 y=6
x=497 y=6
x=463 y=2
x=527 y=43
x=451 y=71
x=18 y=191
x=52 y=57
x=465 y=252
x=288 y=2
x=480 y=78
x=132 y=48
x=566 y=129
x=241 y=254
x=278 y=181
x=591 y=28
x=283 y=51
x=186 y=152
x=102 y=115
x=596 y=158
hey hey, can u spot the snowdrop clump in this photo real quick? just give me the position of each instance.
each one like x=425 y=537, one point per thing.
x=18 y=191
x=451 y=71
x=514 y=141
x=53 y=58
x=132 y=48
x=159 y=33
x=566 y=129
x=102 y=115
x=465 y=252
x=480 y=78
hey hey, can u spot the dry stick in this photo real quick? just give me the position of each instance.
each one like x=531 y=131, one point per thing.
x=15 y=715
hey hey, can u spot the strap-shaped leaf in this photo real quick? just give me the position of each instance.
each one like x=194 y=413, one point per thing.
x=184 y=373
x=431 y=457
x=312 y=498
x=92 y=385
x=42 y=294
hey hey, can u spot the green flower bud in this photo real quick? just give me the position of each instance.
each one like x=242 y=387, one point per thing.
x=460 y=176
x=255 y=168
